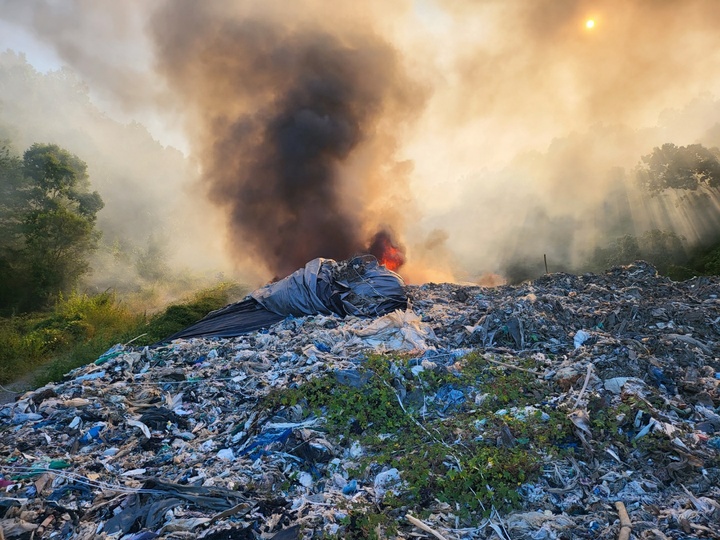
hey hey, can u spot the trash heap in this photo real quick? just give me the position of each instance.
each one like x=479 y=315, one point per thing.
x=567 y=407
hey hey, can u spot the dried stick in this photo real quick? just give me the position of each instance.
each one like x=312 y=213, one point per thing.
x=584 y=387
x=421 y=525
x=503 y=364
x=133 y=339
x=625 y=523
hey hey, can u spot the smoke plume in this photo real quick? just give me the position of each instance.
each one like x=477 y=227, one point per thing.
x=279 y=112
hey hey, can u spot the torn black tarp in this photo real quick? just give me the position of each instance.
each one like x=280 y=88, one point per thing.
x=232 y=320
x=359 y=286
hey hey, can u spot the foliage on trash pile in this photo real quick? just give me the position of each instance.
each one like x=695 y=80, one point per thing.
x=439 y=426
x=80 y=327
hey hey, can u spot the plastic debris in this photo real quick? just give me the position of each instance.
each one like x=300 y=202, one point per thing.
x=399 y=330
x=581 y=336
x=190 y=439
x=386 y=481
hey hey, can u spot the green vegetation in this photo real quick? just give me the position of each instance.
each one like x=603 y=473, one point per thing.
x=81 y=327
x=444 y=447
x=663 y=249
x=706 y=262
x=679 y=167
x=364 y=524
x=48 y=232
x=47 y=226
x=692 y=170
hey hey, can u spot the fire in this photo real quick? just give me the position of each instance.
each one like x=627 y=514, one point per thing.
x=387 y=251
x=392 y=258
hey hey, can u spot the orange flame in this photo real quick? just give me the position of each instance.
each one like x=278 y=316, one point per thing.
x=386 y=251
x=392 y=259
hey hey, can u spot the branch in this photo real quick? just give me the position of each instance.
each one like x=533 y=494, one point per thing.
x=625 y=523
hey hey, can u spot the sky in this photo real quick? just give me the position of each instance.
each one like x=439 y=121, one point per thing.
x=478 y=132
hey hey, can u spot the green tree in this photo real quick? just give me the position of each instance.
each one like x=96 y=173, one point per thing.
x=13 y=195
x=679 y=167
x=13 y=198
x=59 y=227
x=663 y=249
x=53 y=215
x=622 y=250
x=151 y=260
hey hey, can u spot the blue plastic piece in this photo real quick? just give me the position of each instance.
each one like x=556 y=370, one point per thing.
x=321 y=347
x=261 y=444
x=90 y=434
x=657 y=374
x=90 y=376
x=350 y=487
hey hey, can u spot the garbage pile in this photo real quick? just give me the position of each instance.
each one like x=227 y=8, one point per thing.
x=567 y=407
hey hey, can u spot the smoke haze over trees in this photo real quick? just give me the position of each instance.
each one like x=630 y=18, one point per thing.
x=486 y=134
x=151 y=221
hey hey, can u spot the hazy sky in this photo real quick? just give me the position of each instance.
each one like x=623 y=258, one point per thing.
x=477 y=123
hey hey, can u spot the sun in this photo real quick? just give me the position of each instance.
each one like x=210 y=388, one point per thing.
x=590 y=24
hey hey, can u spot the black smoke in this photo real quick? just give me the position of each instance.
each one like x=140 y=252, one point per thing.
x=280 y=111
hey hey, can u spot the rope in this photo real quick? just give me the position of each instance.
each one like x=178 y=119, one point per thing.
x=370 y=284
x=79 y=479
x=10 y=391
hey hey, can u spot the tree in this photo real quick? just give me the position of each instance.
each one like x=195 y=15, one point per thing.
x=622 y=250
x=683 y=167
x=13 y=197
x=150 y=263
x=663 y=249
x=54 y=214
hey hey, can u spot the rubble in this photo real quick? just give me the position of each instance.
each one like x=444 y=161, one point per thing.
x=567 y=407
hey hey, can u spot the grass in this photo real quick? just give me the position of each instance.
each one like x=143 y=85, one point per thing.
x=81 y=327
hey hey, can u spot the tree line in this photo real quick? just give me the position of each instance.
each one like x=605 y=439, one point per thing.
x=687 y=170
x=48 y=221
x=47 y=225
x=684 y=180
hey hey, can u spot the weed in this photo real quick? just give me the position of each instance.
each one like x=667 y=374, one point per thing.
x=439 y=457
x=81 y=327
x=178 y=316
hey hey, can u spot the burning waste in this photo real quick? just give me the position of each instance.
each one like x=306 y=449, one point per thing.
x=294 y=126
x=568 y=407
x=387 y=251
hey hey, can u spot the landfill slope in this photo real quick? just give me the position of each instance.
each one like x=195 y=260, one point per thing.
x=567 y=407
